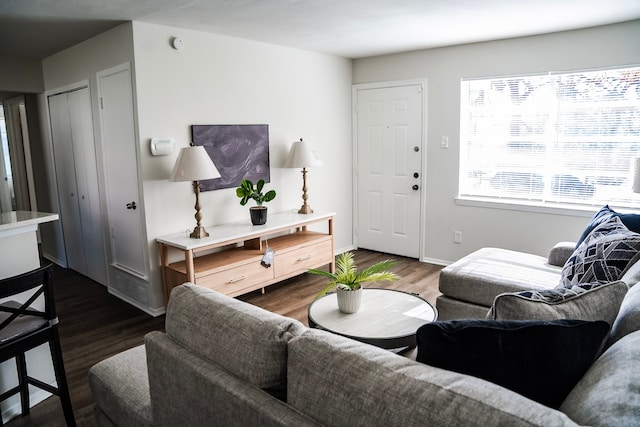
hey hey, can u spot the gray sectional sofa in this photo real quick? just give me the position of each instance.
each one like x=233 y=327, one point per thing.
x=223 y=362
x=469 y=285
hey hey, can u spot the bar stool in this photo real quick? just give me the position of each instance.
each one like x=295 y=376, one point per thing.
x=23 y=327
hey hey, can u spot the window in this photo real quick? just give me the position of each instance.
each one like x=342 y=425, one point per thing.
x=558 y=138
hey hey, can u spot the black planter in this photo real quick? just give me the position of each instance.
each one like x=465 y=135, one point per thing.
x=258 y=215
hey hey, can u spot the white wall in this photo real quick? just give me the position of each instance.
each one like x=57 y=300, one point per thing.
x=224 y=80
x=68 y=67
x=481 y=226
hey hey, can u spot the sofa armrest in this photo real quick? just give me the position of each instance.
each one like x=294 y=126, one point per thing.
x=560 y=253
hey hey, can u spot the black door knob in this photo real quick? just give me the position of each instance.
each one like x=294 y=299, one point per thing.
x=415 y=187
x=131 y=205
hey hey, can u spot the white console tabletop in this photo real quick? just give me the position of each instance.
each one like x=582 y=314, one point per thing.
x=243 y=230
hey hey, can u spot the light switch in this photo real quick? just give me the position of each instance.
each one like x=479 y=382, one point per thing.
x=444 y=142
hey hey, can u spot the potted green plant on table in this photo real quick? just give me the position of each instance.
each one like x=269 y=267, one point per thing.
x=348 y=281
x=248 y=190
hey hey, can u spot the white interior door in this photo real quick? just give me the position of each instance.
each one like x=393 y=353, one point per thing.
x=77 y=179
x=121 y=169
x=64 y=159
x=389 y=169
x=84 y=153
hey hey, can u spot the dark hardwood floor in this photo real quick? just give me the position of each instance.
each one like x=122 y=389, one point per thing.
x=95 y=325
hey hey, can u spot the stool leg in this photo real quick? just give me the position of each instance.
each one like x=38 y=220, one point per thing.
x=21 y=364
x=61 y=378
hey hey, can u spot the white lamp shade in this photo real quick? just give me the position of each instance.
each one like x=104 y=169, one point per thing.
x=193 y=164
x=301 y=156
x=635 y=167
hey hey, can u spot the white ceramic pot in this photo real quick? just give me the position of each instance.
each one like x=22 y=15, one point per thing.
x=348 y=300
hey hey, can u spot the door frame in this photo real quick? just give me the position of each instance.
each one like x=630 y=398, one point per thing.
x=423 y=144
x=19 y=146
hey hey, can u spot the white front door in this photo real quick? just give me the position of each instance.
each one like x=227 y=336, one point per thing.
x=389 y=134
x=120 y=148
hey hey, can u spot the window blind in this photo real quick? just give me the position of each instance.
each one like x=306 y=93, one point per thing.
x=558 y=137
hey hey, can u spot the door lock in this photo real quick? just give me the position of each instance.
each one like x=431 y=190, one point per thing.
x=416 y=175
x=131 y=205
x=415 y=187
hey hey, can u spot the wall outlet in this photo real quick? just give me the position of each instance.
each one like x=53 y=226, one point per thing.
x=457 y=236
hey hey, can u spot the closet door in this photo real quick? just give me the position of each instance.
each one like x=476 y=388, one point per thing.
x=84 y=153
x=77 y=179
x=64 y=159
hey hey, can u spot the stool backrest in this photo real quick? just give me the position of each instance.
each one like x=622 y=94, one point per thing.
x=40 y=281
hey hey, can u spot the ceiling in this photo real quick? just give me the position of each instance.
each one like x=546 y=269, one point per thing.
x=36 y=29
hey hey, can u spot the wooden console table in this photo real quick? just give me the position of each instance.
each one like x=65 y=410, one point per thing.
x=235 y=269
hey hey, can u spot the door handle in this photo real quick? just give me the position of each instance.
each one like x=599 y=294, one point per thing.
x=132 y=205
x=415 y=187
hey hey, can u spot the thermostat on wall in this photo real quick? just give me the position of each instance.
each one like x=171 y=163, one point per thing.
x=161 y=146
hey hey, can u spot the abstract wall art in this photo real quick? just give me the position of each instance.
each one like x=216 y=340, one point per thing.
x=238 y=151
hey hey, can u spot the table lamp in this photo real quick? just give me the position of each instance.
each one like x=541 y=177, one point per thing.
x=194 y=164
x=301 y=156
x=635 y=167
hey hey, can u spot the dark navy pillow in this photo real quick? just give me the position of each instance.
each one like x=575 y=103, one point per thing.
x=631 y=221
x=541 y=360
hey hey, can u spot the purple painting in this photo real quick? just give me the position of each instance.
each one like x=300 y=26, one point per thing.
x=238 y=151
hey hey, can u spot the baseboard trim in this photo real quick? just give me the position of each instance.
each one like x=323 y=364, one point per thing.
x=436 y=261
x=35 y=397
x=155 y=312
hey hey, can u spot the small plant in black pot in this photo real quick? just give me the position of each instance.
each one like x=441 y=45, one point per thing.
x=248 y=190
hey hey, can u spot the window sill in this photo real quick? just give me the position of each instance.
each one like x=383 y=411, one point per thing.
x=529 y=206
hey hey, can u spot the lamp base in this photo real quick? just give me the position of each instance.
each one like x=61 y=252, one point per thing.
x=305 y=209
x=199 y=232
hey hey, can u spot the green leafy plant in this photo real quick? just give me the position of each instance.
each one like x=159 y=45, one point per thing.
x=347 y=275
x=248 y=190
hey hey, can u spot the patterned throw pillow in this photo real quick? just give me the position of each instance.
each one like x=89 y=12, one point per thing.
x=589 y=301
x=605 y=214
x=603 y=256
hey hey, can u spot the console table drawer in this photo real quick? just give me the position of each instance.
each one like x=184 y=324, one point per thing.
x=233 y=280
x=303 y=258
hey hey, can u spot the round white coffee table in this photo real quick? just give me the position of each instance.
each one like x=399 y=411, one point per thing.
x=387 y=318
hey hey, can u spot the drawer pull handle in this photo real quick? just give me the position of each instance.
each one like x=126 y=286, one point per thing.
x=237 y=279
x=304 y=258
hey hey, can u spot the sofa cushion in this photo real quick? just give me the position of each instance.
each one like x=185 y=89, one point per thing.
x=631 y=275
x=628 y=319
x=542 y=360
x=589 y=301
x=484 y=274
x=605 y=214
x=198 y=317
x=603 y=256
x=186 y=390
x=120 y=388
x=341 y=382
x=609 y=393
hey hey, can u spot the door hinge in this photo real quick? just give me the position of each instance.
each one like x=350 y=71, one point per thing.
x=101 y=104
